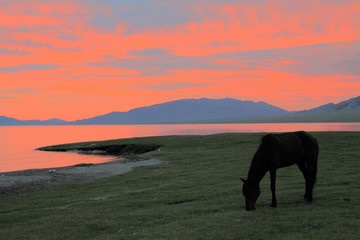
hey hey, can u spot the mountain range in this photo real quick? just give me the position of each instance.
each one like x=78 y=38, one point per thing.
x=7 y=121
x=206 y=110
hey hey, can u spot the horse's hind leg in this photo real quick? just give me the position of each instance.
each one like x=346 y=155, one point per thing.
x=304 y=171
x=311 y=171
x=272 y=187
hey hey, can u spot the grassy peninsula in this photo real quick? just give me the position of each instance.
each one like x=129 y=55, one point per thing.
x=195 y=193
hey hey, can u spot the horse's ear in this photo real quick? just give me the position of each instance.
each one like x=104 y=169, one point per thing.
x=243 y=180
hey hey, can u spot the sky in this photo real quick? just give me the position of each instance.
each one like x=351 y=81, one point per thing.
x=79 y=59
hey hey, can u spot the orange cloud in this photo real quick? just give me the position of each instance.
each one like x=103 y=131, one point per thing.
x=81 y=64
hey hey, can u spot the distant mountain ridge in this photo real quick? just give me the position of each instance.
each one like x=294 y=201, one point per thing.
x=204 y=110
x=346 y=111
x=186 y=111
x=6 y=121
x=352 y=104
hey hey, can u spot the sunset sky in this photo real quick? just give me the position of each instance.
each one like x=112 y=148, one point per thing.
x=78 y=59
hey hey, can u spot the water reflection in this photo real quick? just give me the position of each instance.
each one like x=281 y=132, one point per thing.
x=18 y=143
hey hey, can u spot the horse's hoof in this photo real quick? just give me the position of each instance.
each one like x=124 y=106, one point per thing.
x=273 y=205
x=250 y=208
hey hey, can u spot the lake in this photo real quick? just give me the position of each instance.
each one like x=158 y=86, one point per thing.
x=18 y=143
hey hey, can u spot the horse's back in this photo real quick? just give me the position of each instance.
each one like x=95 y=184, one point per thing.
x=309 y=142
x=286 y=149
x=290 y=140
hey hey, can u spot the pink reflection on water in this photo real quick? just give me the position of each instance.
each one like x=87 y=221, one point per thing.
x=18 y=143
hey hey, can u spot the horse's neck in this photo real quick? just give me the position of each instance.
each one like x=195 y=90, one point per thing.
x=256 y=173
x=258 y=167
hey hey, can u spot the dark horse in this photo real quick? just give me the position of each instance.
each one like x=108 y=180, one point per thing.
x=277 y=151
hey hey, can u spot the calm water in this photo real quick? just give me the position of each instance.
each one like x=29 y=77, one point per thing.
x=18 y=143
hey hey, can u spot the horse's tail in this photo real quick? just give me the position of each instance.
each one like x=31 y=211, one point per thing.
x=312 y=147
x=315 y=158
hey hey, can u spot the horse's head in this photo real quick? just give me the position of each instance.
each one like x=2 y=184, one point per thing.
x=251 y=191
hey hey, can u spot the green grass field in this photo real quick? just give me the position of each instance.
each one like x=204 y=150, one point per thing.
x=196 y=194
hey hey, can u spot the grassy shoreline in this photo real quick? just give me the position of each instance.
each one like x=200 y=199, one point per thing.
x=195 y=193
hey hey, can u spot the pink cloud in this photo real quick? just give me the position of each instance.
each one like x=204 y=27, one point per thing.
x=212 y=49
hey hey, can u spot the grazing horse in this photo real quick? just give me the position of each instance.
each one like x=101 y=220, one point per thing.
x=277 y=151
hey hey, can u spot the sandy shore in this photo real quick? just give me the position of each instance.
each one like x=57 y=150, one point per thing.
x=13 y=182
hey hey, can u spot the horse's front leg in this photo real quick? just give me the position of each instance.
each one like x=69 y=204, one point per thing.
x=272 y=187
